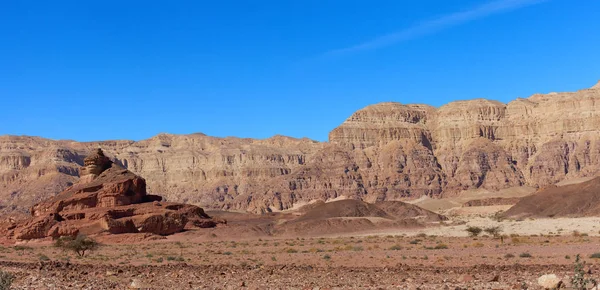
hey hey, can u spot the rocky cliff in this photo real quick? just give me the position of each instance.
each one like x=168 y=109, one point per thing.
x=386 y=151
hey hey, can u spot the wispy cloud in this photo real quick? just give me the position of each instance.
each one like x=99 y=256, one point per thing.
x=443 y=22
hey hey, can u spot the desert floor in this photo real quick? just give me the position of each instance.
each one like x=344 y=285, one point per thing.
x=439 y=257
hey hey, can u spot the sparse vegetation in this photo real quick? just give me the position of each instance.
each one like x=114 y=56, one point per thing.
x=595 y=256
x=525 y=255
x=396 y=247
x=6 y=280
x=494 y=231
x=509 y=256
x=441 y=246
x=22 y=248
x=579 y=280
x=80 y=244
x=327 y=257
x=474 y=231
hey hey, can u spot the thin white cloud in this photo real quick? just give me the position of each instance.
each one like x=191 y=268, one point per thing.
x=443 y=22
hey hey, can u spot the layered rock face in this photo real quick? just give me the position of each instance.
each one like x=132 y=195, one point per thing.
x=383 y=152
x=108 y=198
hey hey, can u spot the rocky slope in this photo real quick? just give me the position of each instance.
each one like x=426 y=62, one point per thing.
x=574 y=200
x=383 y=152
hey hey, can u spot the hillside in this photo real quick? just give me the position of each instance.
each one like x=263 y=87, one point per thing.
x=575 y=200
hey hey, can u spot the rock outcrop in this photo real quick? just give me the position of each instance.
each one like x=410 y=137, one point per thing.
x=108 y=198
x=384 y=152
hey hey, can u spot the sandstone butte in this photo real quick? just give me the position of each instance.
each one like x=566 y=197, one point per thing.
x=107 y=198
x=384 y=152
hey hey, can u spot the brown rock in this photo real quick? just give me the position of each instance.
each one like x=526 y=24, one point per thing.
x=112 y=200
x=383 y=152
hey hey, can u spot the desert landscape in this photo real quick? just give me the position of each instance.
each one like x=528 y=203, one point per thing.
x=471 y=195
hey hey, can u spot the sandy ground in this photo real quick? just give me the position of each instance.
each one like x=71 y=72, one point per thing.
x=368 y=262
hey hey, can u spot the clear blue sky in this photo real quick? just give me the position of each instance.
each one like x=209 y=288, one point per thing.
x=96 y=70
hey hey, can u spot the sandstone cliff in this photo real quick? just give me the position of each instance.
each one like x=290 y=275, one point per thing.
x=386 y=151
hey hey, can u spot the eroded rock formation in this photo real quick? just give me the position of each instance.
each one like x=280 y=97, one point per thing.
x=383 y=152
x=108 y=198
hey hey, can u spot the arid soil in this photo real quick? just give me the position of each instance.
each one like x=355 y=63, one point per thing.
x=199 y=261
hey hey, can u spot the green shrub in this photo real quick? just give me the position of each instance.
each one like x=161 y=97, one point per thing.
x=80 y=244
x=579 y=280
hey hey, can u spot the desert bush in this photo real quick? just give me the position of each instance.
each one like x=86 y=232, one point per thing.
x=396 y=248
x=494 y=231
x=291 y=251
x=22 y=248
x=525 y=255
x=80 y=244
x=595 y=256
x=509 y=256
x=579 y=280
x=474 y=231
x=44 y=258
x=173 y=258
x=327 y=257
x=414 y=242
x=6 y=280
x=478 y=245
x=441 y=246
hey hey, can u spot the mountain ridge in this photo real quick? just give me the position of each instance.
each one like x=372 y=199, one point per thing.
x=385 y=151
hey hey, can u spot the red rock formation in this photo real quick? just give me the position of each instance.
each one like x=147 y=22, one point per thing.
x=111 y=199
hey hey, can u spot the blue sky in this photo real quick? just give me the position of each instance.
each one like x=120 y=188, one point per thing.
x=97 y=70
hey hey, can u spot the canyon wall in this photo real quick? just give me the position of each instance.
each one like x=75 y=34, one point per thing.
x=386 y=151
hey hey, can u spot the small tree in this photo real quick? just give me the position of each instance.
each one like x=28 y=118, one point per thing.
x=494 y=231
x=80 y=244
x=474 y=231
x=6 y=280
